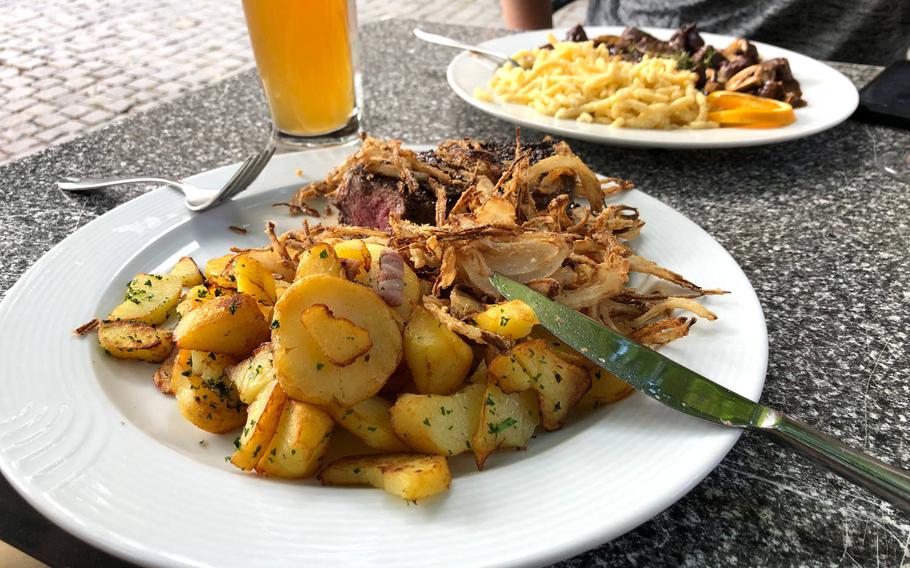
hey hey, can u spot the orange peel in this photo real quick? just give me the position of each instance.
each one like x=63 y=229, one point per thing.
x=729 y=108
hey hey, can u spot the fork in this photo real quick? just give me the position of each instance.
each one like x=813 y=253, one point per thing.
x=196 y=198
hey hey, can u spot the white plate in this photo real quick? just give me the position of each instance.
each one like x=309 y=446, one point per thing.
x=90 y=443
x=830 y=95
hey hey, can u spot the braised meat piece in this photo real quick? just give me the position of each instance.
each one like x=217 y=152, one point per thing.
x=687 y=39
x=576 y=34
x=771 y=79
x=366 y=199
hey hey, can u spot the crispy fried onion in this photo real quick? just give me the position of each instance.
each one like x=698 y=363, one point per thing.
x=527 y=225
x=441 y=312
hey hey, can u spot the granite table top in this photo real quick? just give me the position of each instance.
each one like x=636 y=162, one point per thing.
x=820 y=231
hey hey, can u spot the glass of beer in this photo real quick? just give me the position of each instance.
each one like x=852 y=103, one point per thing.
x=306 y=54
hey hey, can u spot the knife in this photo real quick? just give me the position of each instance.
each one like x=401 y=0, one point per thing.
x=686 y=391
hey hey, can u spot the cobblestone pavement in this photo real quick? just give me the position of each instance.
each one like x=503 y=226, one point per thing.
x=67 y=66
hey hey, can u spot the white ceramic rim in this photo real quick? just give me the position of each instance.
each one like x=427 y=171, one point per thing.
x=94 y=469
x=831 y=98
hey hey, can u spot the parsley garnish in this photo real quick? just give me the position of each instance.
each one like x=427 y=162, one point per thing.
x=502 y=426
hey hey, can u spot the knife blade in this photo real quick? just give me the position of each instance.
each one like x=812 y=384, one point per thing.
x=687 y=391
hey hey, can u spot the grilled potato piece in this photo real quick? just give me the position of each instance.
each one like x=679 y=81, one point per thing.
x=188 y=272
x=435 y=424
x=192 y=299
x=514 y=319
x=605 y=388
x=162 y=376
x=369 y=420
x=149 y=299
x=262 y=419
x=305 y=371
x=253 y=374
x=229 y=324
x=340 y=339
x=204 y=395
x=273 y=263
x=135 y=340
x=254 y=279
x=357 y=251
x=408 y=476
x=439 y=360
x=319 y=259
x=220 y=272
x=299 y=442
x=559 y=385
x=506 y=421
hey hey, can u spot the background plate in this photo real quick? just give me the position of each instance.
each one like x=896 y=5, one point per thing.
x=830 y=95
x=90 y=443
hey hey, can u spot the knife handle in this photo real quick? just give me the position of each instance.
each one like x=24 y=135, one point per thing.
x=888 y=482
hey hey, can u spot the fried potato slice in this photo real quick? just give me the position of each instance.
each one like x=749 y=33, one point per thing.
x=370 y=421
x=188 y=272
x=262 y=419
x=409 y=476
x=356 y=250
x=163 y=374
x=514 y=319
x=559 y=384
x=229 y=324
x=340 y=339
x=438 y=358
x=254 y=279
x=204 y=395
x=220 y=272
x=605 y=388
x=135 y=340
x=436 y=424
x=506 y=421
x=192 y=299
x=149 y=299
x=299 y=442
x=319 y=259
x=253 y=374
x=306 y=373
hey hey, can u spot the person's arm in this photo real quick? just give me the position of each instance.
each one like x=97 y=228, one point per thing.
x=527 y=14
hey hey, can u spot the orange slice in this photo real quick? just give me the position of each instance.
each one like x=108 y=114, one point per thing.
x=748 y=111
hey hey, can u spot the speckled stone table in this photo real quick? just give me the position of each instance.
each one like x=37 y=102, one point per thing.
x=823 y=235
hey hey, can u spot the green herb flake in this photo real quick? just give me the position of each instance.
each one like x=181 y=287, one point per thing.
x=275 y=324
x=319 y=366
x=501 y=426
x=324 y=254
x=426 y=421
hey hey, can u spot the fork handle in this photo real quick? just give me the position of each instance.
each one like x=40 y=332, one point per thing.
x=78 y=184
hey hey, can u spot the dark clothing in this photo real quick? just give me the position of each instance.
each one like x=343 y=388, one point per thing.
x=857 y=31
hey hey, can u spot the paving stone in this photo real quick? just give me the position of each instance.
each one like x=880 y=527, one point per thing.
x=97 y=117
x=51 y=93
x=49 y=120
x=75 y=111
x=90 y=62
x=19 y=93
x=19 y=146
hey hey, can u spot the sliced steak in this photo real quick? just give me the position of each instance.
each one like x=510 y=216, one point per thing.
x=367 y=199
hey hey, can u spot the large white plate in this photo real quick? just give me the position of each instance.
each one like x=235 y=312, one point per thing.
x=830 y=95
x=91 y=444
